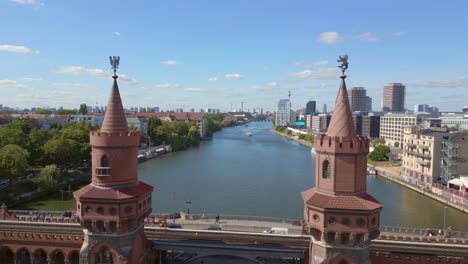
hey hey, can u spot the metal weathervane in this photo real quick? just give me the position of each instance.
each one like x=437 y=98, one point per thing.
x=344 y=63
x=114 y=61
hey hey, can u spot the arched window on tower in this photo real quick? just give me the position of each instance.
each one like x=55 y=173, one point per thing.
x=104 y=161
x=104 y=256
x=326 y=170
x=103 y=169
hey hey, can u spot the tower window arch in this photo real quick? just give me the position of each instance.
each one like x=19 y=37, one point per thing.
x=326 y=170
x=104 y=161
x=104 y=256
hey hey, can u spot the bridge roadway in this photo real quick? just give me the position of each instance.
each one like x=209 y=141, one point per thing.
x=243 y=238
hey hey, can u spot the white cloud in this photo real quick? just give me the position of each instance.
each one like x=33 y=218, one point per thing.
x=212 y=79
x=233 y=76
x=461 y=82
x=167 y=85
x=6 y=81
x=368 y=36
x=78 y=70
x=29 y=79
x=399 y=33
x=15 y=48
x=269 y=88
x=127 y=79
x=116 y=34
x=329 y=38
x=24 y=2
x=311 y=64
x=324 y=73
x=169 y=63
x=195 y=90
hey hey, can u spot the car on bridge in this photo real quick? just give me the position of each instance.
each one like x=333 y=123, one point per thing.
x=214 y=227
x=174 y=225
x=276 y=230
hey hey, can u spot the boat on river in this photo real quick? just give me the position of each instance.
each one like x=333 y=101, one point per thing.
x=248 y=134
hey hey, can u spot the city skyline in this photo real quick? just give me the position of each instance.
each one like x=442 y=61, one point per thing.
x=210 y=54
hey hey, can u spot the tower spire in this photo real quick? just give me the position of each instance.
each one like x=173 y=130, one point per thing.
x=114 y=119
x=341 y=124
x=338 y=211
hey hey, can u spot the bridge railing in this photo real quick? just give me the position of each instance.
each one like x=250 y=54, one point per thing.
x=421 y=231
x=233 y=217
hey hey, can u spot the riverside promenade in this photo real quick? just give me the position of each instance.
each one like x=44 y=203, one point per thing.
x=393 y=173
x=294 y=138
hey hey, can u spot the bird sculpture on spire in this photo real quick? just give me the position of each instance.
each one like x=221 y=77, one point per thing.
x=344 y=63
x=114 y=61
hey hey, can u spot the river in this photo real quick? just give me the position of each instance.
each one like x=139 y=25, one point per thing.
x=264 y=175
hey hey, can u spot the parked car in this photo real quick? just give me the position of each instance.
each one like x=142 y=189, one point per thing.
x=173 y=225
x=276 y=230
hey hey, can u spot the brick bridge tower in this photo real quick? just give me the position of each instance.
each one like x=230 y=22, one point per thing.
x=112 y=208
x=341 y=216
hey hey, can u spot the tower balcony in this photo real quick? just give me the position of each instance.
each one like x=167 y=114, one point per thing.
x=103 y=171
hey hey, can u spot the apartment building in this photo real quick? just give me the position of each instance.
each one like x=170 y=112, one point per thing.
x=320 y=122
x=392 y=125
x=283 y=113
x=432 y=154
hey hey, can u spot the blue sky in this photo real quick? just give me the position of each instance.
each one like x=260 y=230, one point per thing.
x=200 y=54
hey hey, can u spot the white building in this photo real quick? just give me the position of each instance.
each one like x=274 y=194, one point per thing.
x=392 y=126
x=455 y=120
x=284 y=115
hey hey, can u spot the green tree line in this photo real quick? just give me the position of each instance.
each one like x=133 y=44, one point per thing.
x=24 y=145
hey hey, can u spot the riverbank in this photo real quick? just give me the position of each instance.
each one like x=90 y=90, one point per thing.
x=393 y=174
x=294 y=138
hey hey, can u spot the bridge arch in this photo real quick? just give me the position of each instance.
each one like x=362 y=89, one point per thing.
x=74 y=257
x=343 y=259
x=40 y=256
x=201 y=256
x=6 y=255
x=23 y=256
x=57 y=256
x=103 y=253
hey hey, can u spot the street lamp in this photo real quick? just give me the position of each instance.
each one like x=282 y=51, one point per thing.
x=445 y=215
x=173 y=207
x=61 y=203
x=188 y=203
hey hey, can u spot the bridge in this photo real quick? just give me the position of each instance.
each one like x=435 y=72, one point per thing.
x=38 y=237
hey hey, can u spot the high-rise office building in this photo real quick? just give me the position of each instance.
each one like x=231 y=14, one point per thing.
x=393 y=99
x=310 y=108
x=424 y=108
x=359 y=101
x=324 y=108
x=283 y=114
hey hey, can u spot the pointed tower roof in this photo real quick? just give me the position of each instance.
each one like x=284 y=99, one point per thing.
x=341 y=124
x=114 y=119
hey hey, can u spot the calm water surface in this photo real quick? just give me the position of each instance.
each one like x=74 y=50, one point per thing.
x=263 y=175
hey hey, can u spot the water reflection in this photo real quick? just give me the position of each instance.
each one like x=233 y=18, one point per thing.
x=264 y=175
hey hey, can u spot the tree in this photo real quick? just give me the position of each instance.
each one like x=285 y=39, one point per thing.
x=13 y=136
x=62 y=151
x=153 y=123
x=47 y=178
x=13 y=162
x=309 y=137
x=83 y=109
x=380 y=140
x=37 y=138
x=65 y=112
x=379 y=153
x=43 y=112
x=396 y=144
